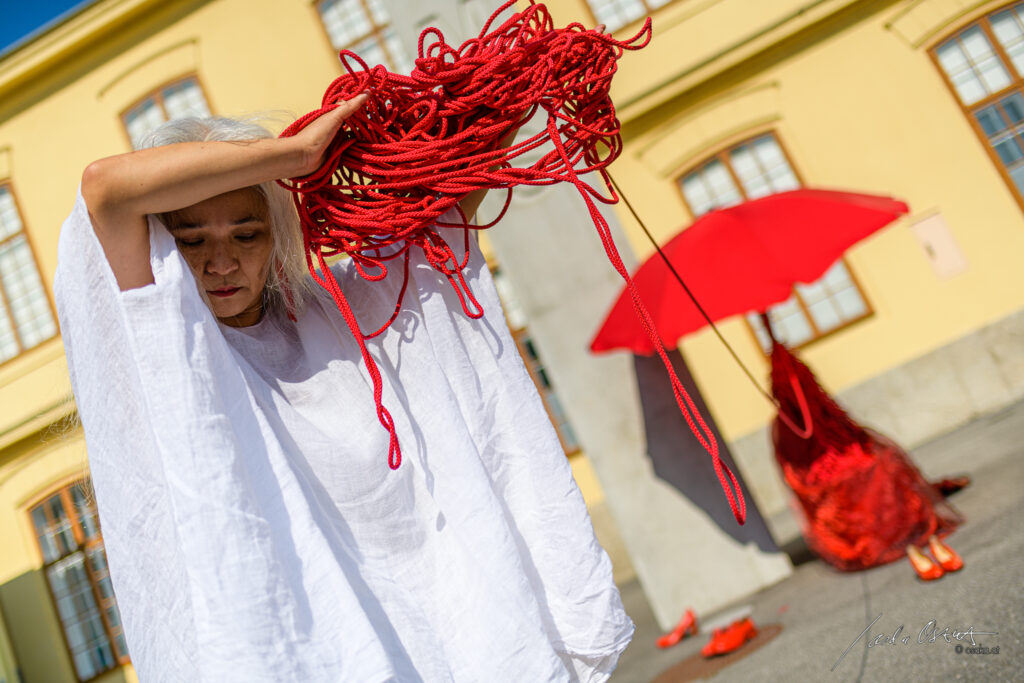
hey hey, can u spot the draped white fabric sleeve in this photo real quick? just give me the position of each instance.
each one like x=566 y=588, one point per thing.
x=253 y=529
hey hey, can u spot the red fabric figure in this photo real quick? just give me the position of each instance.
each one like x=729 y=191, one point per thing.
x=863 y=500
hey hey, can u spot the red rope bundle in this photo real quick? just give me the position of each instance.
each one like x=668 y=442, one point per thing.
x=423 y=142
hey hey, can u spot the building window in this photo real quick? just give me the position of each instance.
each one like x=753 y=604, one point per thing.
x=364 y=27
x=983 y=64
x=615 y=14
x=177 y=100
x=757 y=168
x=26 y=319
x=75 y=565
x=517 y=323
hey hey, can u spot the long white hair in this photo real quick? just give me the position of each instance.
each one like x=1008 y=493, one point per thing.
x=288 y=284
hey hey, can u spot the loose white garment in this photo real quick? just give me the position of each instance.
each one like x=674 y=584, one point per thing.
x=253 y=529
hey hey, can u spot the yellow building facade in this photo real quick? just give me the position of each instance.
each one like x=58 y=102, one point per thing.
x=851 y=93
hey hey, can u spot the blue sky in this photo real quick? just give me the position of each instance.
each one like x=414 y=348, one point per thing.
x=22 y=17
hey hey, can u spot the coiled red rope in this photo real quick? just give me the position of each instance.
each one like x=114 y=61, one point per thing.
x=423 y=142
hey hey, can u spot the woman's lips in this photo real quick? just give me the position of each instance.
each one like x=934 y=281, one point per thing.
x=223 y=293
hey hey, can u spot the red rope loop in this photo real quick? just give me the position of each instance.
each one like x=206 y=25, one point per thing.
x=422 y=142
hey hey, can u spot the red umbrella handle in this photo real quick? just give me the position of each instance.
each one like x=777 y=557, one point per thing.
x=807 y=430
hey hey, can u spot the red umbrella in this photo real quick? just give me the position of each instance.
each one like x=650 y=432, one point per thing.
x=744 y=258
x=748 y=257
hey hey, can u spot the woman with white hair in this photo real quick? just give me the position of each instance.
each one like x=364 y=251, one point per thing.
x=253 y=527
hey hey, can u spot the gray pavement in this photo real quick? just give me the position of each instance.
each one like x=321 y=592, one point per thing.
x=821 y=612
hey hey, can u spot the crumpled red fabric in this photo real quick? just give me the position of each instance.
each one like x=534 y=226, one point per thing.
x=861 y=498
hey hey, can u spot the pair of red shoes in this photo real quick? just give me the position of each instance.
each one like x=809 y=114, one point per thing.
x=946 y=560
x=723 y=640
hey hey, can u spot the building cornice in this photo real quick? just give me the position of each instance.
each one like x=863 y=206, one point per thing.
x=753 y=41
x=47 y=52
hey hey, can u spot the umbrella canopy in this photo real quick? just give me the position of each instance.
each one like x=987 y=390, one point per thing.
x=744 y=258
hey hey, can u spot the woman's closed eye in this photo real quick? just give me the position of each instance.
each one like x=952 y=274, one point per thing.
x=247 y=237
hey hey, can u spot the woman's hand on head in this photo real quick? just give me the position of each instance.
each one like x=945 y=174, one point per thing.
x=120 y=191
x=318 y=134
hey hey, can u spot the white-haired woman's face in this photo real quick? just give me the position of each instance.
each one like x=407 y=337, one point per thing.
x=227 y=241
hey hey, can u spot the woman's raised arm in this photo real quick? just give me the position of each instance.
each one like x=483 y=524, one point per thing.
x=120 y=191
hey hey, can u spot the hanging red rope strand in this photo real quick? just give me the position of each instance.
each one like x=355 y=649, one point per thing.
x=423 y=142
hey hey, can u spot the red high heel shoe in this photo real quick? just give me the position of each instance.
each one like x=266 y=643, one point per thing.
x=923 y=565
x=725 y=640
x=951 y=485
x=686 y=626
x=944 y=555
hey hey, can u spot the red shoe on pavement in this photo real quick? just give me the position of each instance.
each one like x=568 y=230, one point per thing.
x=951 y=485
x=730 y=638
x=944 y=555
x=923 y=565
x=686 y=626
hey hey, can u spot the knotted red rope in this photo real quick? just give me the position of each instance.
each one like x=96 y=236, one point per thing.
x=422 y=142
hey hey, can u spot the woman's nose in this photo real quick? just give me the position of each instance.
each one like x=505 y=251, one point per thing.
x=221 y=261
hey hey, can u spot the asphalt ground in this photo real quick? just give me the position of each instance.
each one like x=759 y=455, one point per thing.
x=809 y=620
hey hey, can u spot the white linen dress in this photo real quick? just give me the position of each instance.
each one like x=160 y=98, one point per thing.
x=253 y=528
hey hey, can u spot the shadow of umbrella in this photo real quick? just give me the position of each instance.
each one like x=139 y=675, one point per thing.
x=679 y=460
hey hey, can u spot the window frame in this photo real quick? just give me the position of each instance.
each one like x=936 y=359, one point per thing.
x=63 y=489
x=9 y=184
x=375 y=31
x=1016 y=85
x=519 y=336
x=649 y=12
x=157 y=93
x=722 y=156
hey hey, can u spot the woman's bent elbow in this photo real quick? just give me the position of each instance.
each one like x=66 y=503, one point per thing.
x=95 y=185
